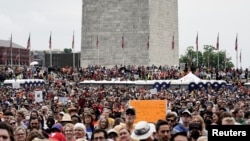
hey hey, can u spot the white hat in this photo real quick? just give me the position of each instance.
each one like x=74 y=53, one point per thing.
x=66 y=117
x=186 y=111
x=112 y=131
x=143 y=130
x=56 y=98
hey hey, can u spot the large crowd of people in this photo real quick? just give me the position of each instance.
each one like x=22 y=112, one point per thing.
x=70 y=112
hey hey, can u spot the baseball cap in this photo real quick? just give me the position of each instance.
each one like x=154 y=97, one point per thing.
x=131 y=111
x=57 y=127
x=187 y=112
x=195 y=125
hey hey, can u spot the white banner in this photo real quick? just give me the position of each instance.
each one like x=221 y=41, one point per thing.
x=38 y=96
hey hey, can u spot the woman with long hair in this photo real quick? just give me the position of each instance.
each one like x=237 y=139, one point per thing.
x=87 y=119
x=103 y=123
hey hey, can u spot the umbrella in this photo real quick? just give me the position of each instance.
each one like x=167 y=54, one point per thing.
x=33 y=63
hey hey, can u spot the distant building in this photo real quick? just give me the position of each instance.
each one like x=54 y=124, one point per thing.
x=59 y=58
x=15 y=55
x=130 y=32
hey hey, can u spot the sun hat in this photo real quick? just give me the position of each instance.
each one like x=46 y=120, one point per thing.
x=66 y=117
x=112 y=131
x=143 y=130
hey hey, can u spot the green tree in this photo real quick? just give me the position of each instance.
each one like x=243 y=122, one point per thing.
x=208 y=58
x=67 y=50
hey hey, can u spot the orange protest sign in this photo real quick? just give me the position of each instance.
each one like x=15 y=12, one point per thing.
x=149 y=110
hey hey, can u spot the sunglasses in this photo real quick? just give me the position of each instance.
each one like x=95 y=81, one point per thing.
x=170 y=120
x=12 y=123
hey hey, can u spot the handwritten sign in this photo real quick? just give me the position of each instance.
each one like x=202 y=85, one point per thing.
x=149 y=110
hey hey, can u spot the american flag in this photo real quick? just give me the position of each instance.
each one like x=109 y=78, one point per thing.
x=11 y=42
x=17 y=56
x=236 y=43
x=148 y=43
x=173 y=42
x=97 y=41
x=73 y=41
x=50 y=41
x=217 y=44
x=196 y=42
x=122 y=41
x=28 y=43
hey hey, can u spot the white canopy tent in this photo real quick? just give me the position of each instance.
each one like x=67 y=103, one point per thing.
x=190 y=77
x=34 y=63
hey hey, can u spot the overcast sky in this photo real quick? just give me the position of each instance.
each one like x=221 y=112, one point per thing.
x=62 y=17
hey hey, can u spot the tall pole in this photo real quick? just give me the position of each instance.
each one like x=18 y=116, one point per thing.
x=73 y=58
x=173 y=49
x=197 y=46
x=50 y=46
x=123 y=48
x=240 y=59
x=11 y=50
x=5 y=57
x=19 y=56
x=218 y=53
x=218 y=60
x=237 y=59
x=50 y=58
x=98 y=57
x=197 y=59
x=98 y=52
x=225 y=60
x=28 y=47
x=236 y=49
x=73 y=48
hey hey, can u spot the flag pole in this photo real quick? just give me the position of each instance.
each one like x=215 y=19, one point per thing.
x=240 y=59
x=73 y=49
x=218 y=60
x=173 y=49
x=225 y=60
x=97 y=45
x=218 y=52
x=197 y=50
x=237 y=59
x=19 y=55
x=11 y=49
x=123 y=49
x=50 y=46
x=236 y=48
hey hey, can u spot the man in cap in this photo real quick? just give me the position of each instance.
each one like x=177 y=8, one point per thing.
x=112 y=134
x=186 y=117
x=195 y=131
x=130 y=115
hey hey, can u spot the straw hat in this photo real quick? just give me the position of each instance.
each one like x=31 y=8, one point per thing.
x=72 y=109
x=66 y=117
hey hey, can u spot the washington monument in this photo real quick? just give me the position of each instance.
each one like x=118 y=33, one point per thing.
x=129 y=32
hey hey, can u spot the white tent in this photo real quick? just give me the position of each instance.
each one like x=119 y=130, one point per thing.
x=34 y=63
x=190 y=77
